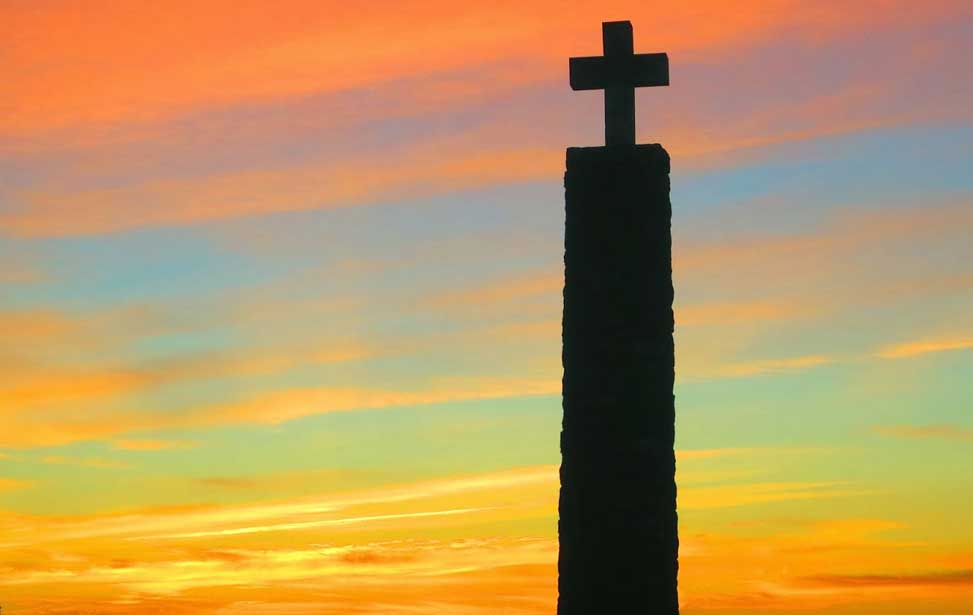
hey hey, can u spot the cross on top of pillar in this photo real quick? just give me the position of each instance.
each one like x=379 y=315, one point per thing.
x=619 y=72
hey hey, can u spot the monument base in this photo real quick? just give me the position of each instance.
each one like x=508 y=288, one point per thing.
x=617 y=510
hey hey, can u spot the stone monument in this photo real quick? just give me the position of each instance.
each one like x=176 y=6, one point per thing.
x=617 y=522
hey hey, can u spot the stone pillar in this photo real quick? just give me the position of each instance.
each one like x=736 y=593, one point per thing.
x=617 y=510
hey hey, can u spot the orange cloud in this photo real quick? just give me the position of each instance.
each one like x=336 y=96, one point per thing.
x=501 y=291
x=284 y=483
x=23 y=326
x=826 y=243
x=777 y=259
x=47 y=399
x=28 y=429
x=426 y=166
x=47 y=335
x=334 y=49
x=929 y=579
x=417 y=170
x=189 y=57
x=786 y=567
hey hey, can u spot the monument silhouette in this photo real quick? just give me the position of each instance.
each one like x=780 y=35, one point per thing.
x=617 y=522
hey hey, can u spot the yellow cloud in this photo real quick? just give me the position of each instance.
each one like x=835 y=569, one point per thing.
x=286 y=405
x=736 y=312
x=685 y=455
x=151 y=444
x=745 y=494
x=9 y=484
x=303 y=525
x=30 y=390
x=434 y=540
x=950 y=432
x=23 y=429
x=718 y=367
x=917 y=348
x=476 y=493
x=85 y=462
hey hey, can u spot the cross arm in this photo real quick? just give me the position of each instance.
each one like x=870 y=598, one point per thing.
x=599 y=72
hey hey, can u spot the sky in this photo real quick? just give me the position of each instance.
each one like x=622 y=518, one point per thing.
x=280 y=302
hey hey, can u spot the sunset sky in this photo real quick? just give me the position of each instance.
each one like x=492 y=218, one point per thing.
x=280 y=300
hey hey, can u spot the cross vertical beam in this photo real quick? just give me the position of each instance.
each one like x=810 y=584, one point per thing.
x=619 y=98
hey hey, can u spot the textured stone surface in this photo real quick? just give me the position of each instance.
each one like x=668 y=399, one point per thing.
x=617 y=525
